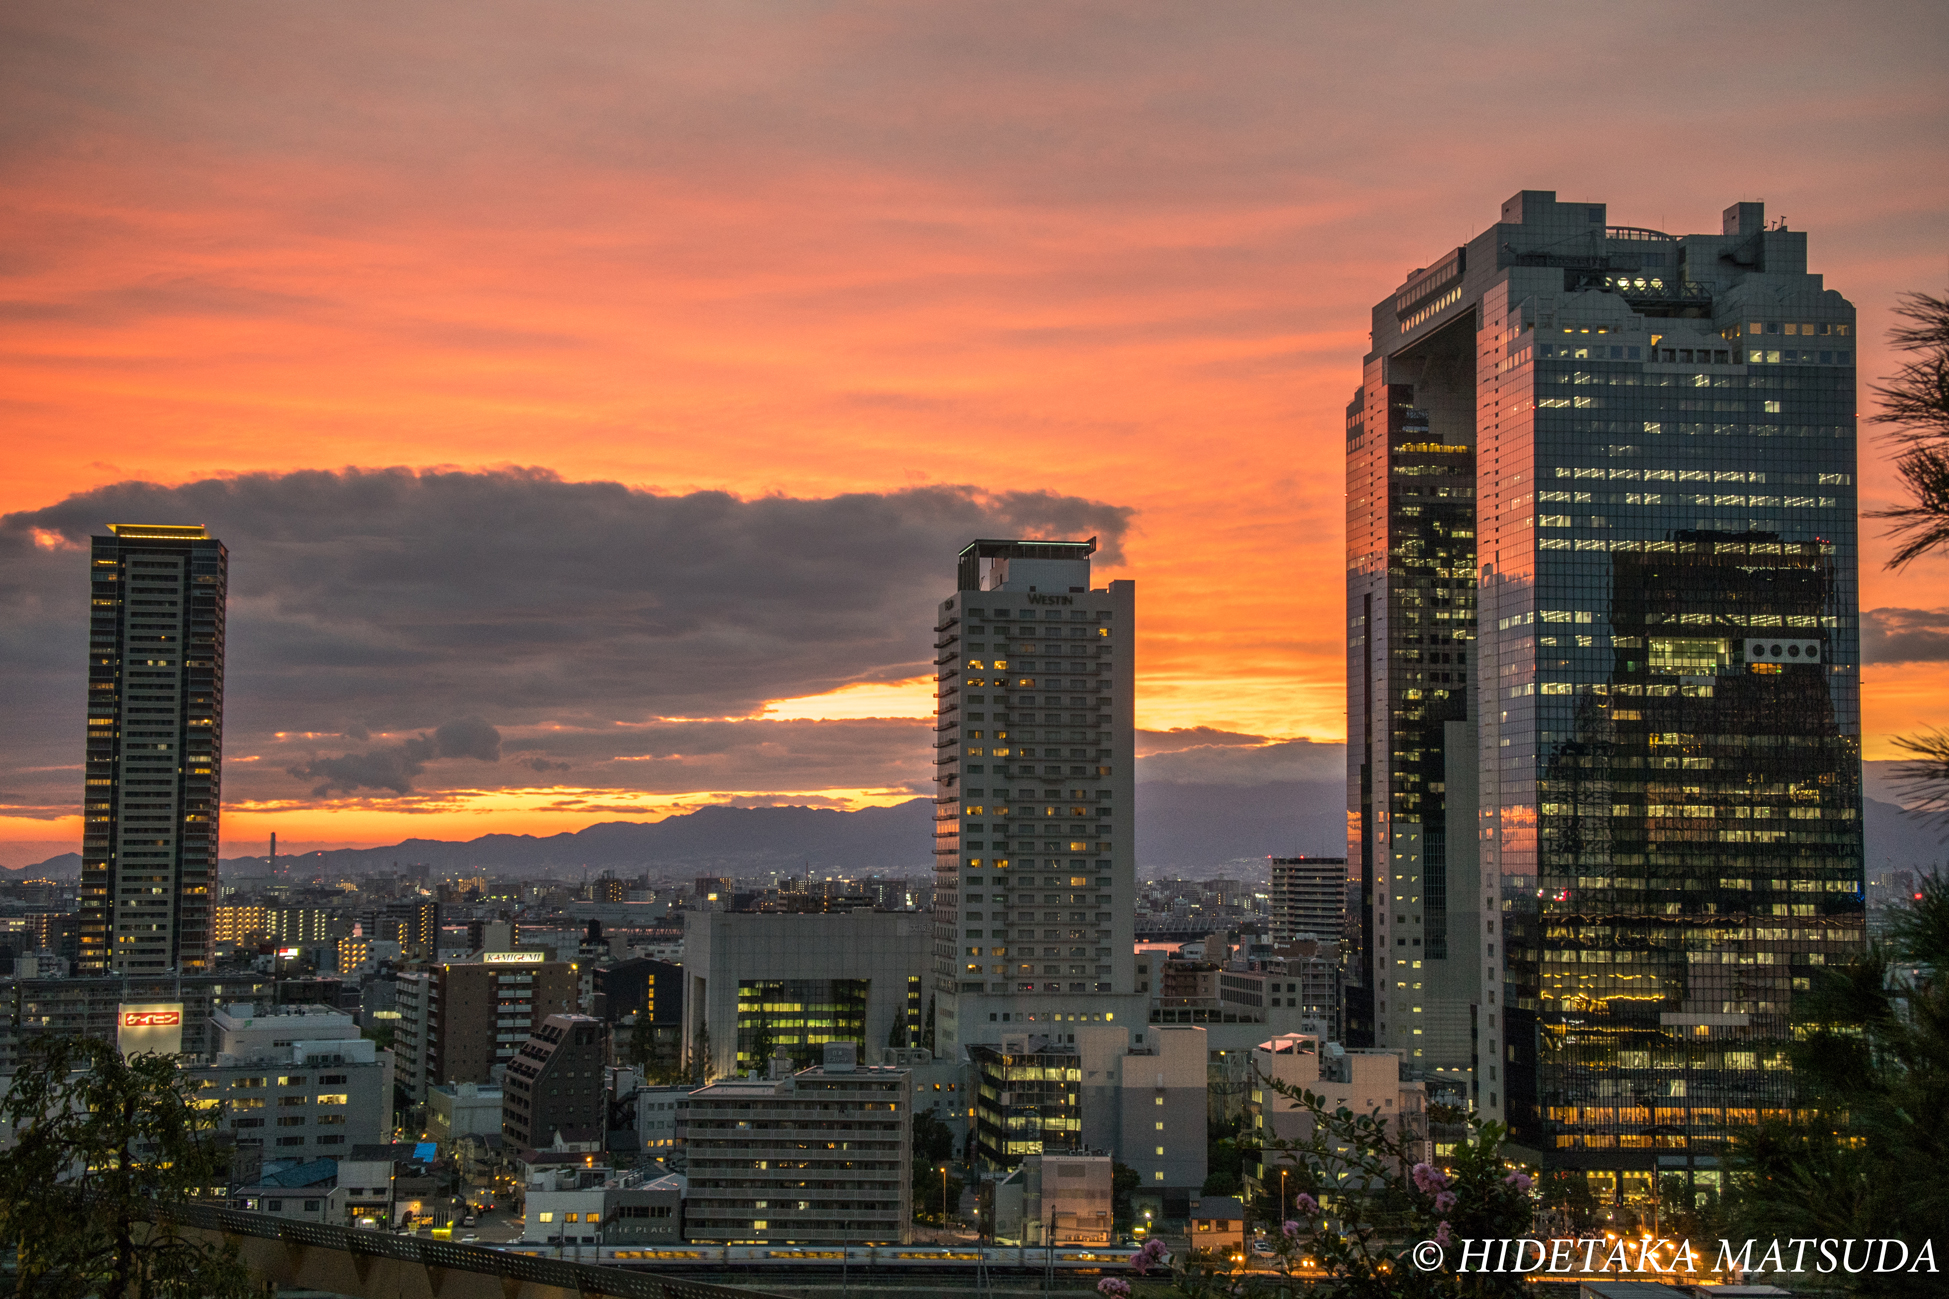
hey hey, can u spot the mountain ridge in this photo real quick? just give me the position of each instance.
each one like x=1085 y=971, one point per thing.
x=1181 y=827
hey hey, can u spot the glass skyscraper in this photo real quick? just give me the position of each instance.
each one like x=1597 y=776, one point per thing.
x=152 y=788
x=1602 y=537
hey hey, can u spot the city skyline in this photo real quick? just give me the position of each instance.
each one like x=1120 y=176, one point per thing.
x=221 y=297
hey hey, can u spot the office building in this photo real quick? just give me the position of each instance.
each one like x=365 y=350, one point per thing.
x=1309 y=897
x=1034 y=860
x=556 y=1084
x=458 y=1019
x=297 y=1082
x=761 y=984
x=413 y=923
x=152 y=783
x=1147 y=1105
x=1410 y=594
x=821 y=1156
x=1601 y=534
x=1028 y=1098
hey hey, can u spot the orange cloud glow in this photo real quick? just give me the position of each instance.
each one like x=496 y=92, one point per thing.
x=1123 y=252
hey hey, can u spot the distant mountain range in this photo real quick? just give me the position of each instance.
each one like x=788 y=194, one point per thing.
x=1188 y=829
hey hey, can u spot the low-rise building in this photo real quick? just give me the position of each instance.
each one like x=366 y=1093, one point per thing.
x=823 y=1155
x=367 y=1184
x=294 y=1084
x=1365 y=1081
x=1056 y=1199
x=662 y=1119
x=306 y=1190
x=1218 y=1227
x=455 y=1110
x=597 y=1206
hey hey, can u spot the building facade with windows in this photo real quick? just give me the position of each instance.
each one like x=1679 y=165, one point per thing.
x=824 y=1155
x=761 y=984
x=154 y=750
x=1028 y=1098
x=1309 y=897
x=1602 y=534
x=298 y=1082
x=458 y=1019
x=557 y=1084
x=1034 y=751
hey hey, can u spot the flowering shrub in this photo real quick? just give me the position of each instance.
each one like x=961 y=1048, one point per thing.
x=1369 y=1197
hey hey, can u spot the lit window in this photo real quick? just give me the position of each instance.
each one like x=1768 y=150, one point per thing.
x=546 y=1217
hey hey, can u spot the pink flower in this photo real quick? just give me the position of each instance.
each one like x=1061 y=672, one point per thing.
x=1306 y=1204
x=1149 y=1256
x=1441 y=1234
x=1291 y=1229
x=1521 y=1181
x=1114 y=1286
x=1444 y=1202
x=1429 y=1178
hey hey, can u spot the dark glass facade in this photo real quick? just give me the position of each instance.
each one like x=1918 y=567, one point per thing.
x=153 y=784
x=1668 y=811
x=1412 y=750
x=798 y=1016
x=1027 y=1102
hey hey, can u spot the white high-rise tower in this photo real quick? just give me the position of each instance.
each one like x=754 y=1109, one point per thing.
x=1034 y=859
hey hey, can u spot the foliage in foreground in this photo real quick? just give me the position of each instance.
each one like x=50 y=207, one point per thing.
x=1364 y=1198
x=102 y=1144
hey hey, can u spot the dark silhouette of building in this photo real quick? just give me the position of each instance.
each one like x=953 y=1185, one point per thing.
x=556 y=1083
x=152 y=786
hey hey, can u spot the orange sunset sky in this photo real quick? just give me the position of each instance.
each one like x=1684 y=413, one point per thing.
x=830 y=289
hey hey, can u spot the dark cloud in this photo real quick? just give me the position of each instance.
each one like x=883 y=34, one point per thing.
x=1904 y=635
x=1190 y=737
x=380 y=605
x=1231 y=763
x=394 y=768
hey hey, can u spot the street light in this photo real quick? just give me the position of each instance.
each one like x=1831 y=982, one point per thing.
x=1282 y=1195
x=943 y=1197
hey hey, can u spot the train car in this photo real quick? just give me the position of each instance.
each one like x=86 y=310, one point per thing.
x=887 y=1258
